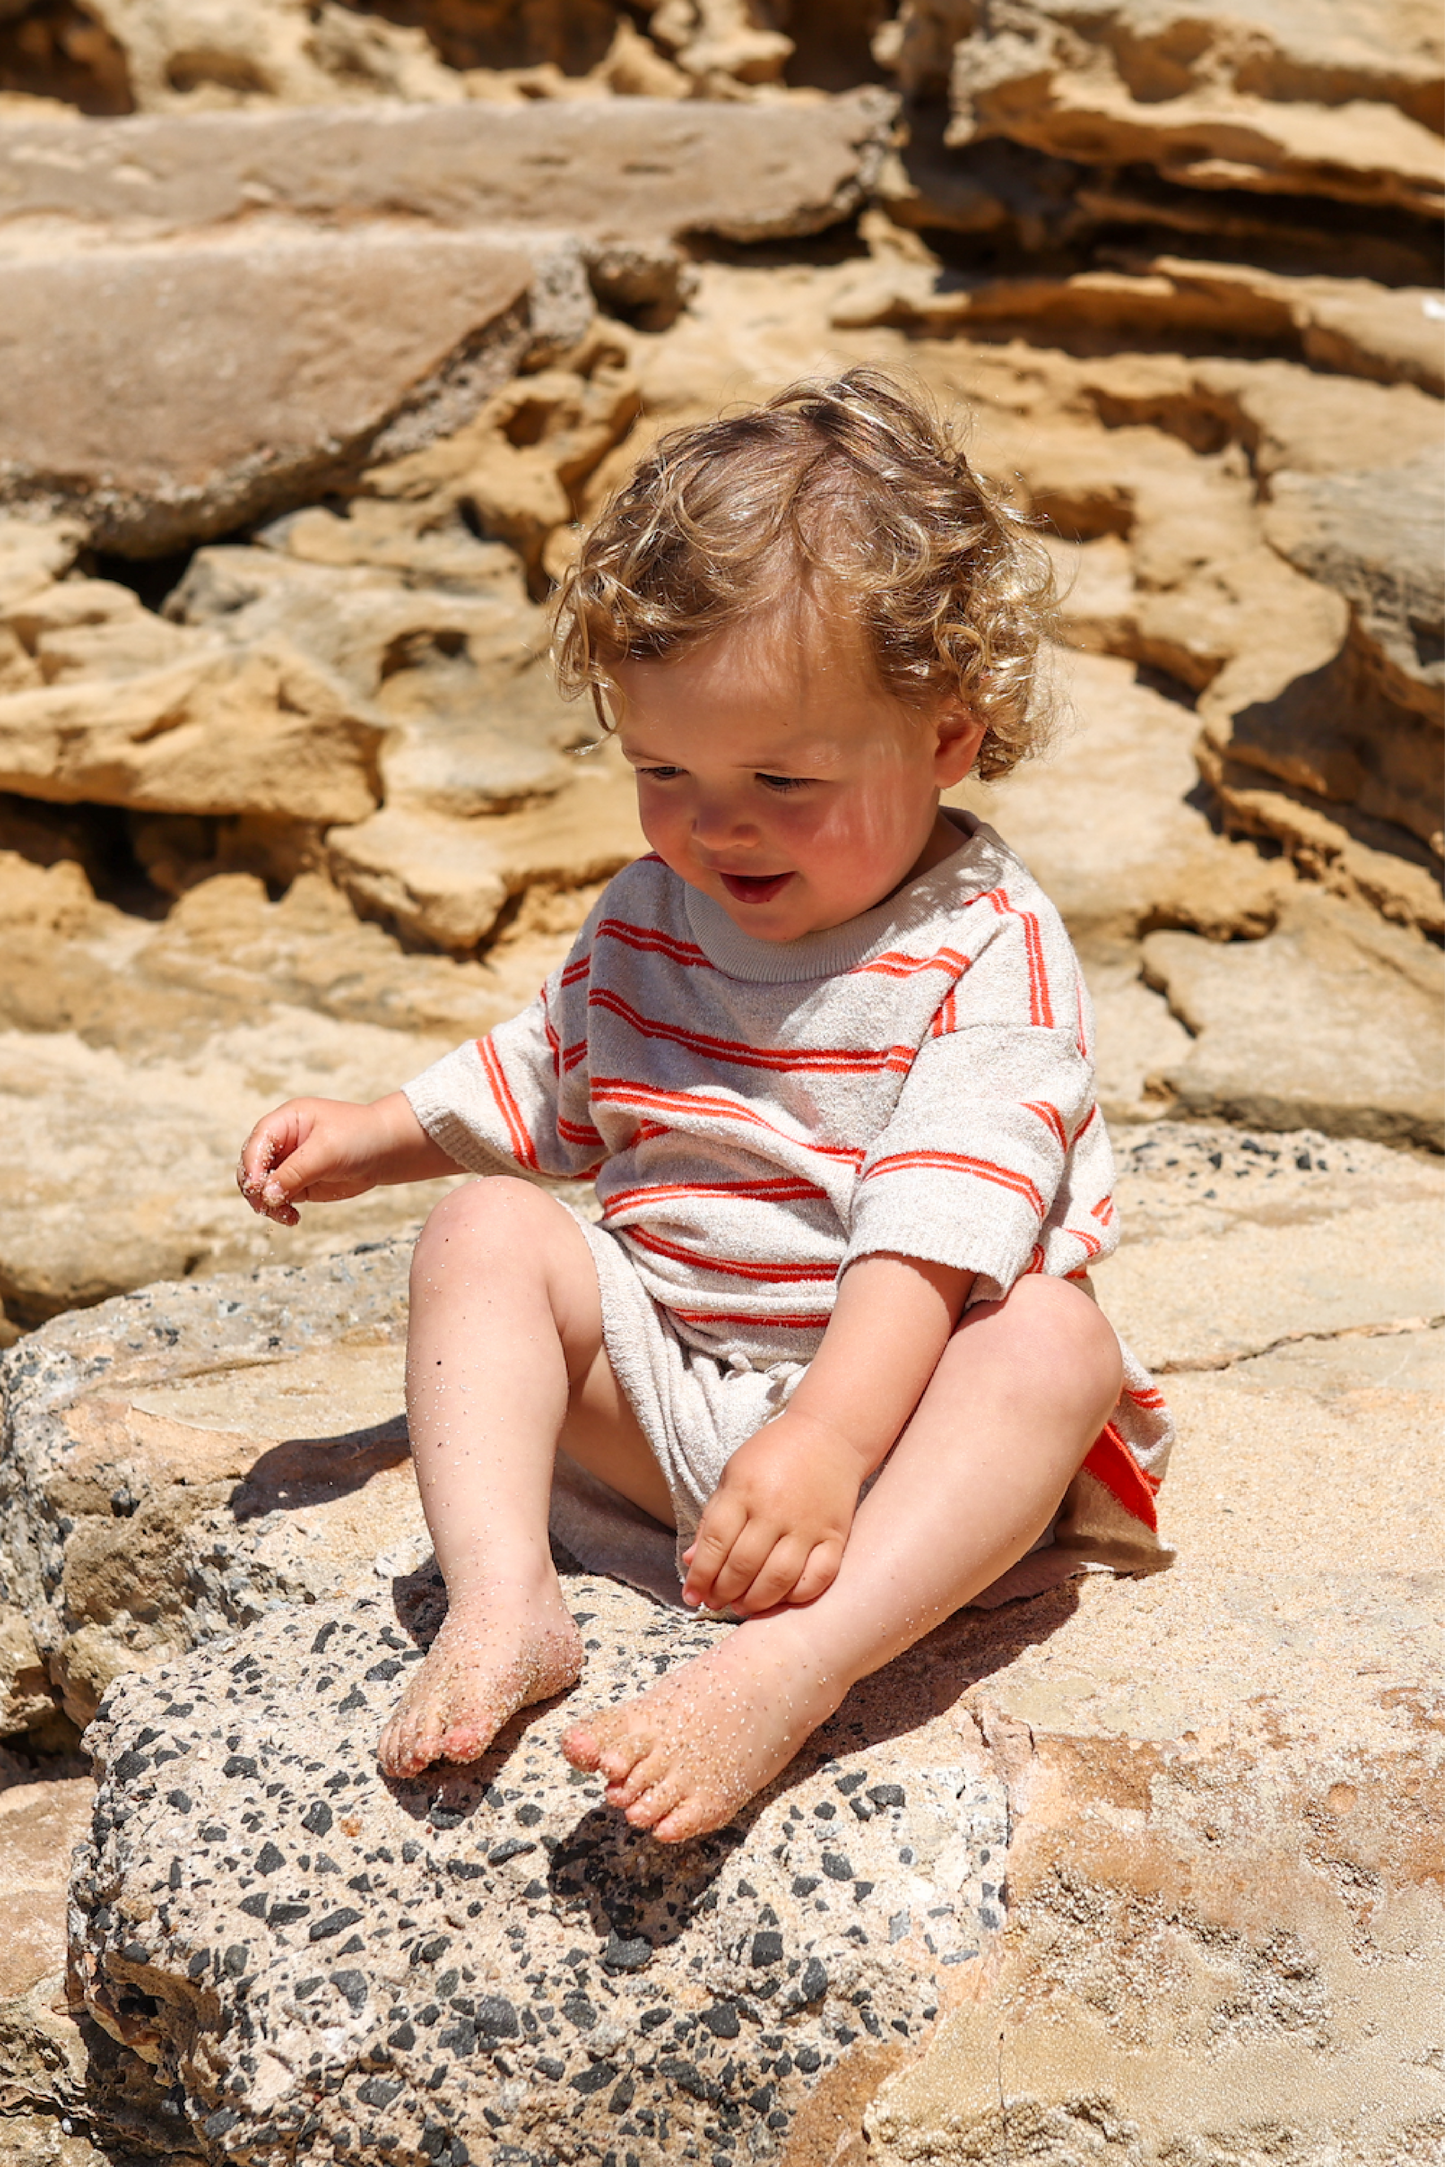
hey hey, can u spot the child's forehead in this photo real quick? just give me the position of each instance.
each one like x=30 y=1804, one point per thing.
x=786 y=653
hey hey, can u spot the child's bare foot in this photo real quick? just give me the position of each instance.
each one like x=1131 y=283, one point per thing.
x=683 y=1757
x=489 y=1659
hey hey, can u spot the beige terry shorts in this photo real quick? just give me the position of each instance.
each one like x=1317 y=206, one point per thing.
x=694 y=1410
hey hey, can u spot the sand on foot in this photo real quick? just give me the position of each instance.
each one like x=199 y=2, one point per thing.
x=485 y=1664
x=684 y=1756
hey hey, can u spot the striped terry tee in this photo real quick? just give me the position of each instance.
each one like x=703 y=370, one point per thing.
x=756 y=1116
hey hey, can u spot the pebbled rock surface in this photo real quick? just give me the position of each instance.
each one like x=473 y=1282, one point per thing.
x=485 y=1963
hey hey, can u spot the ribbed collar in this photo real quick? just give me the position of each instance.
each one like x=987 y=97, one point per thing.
x=972 y=868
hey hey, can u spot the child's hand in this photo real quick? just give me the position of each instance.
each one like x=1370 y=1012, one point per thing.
x=776 y=1526
x=316 y=1151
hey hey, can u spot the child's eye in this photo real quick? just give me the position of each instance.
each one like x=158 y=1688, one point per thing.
x=783 y=782
x=660 y=774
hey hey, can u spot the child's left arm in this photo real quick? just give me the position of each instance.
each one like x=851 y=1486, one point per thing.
x=775 y=1528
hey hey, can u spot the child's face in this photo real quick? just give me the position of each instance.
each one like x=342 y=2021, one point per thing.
x=775 y=774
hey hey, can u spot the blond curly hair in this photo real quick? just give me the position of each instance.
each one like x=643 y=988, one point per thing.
x=854 y=484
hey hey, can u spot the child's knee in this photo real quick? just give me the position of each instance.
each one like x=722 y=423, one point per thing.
x=499 y=1214
x=1069 y=1324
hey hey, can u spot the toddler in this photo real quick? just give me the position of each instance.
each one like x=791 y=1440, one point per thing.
x=825 y=1054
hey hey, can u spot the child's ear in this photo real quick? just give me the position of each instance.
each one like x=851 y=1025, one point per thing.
x=960 y=735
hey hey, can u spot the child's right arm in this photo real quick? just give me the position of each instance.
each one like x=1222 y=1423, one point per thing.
x=316 y=1151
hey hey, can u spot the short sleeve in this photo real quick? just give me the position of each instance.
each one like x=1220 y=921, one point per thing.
x=519 y=1097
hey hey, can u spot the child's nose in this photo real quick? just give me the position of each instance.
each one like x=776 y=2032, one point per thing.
x=719 y=818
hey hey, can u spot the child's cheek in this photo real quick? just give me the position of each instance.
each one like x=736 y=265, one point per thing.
x=862 y=826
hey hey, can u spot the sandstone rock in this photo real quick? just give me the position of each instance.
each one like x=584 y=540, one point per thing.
x=175 y=724
x=1333 y=851
x=39 y=1823
x=1376 y=537
x=43 y=2060
x=1104 y=823
x=1143 y=1844
x=1281 y=415
x=383 y=652
x=1393 y=337
x=486 y=796
x=186 y=55
x=446 y=881
x=153 y=1503
x=453 y=676
x=134 y=1058
x=1244 y=1248
x=26 y=1699
x=1276 y=99
x=1354 y=736
x=721 y=38
x=616 y=170
x=1333 y=1022
x=519 y=468
x=171 y=391
x=33 y=554
x=58 y=65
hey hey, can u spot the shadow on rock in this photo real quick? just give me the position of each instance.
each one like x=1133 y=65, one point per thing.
x=315 y=1470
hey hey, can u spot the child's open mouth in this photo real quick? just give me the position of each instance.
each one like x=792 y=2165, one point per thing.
x=754 y=887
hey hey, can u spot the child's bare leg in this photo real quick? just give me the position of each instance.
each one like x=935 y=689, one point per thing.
x=1021 y=1392
x=504 y=1357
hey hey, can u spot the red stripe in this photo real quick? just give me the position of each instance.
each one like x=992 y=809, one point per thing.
x=946 y=1017
x=1103 y=1211
x=1051 y=1118
x=1041 y=1009
x=1151 y=1397
x=1111 y=1462
x=1090 y=1243
x=732 y=1267
x=1081 y=1038
x=898 y=965
x=957 y=1162
x=553 y=1041
x=650 y=940
x=786 y=1324
x=578 y=1132
x=622 y=1091
x=523 y=1149
x=787 y=1188
x=576 y=970
x=574 y=1055
x=826 y=1061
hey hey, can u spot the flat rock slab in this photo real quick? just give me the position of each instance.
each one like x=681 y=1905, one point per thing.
x=1335 y=1022
x=1263 y=1718
x=486 y=1962
x=1239 y=1246
x=616 y=169
x=171 y=391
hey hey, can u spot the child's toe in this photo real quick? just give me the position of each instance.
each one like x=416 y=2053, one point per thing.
x=581 y=1746
x=640 y=1777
